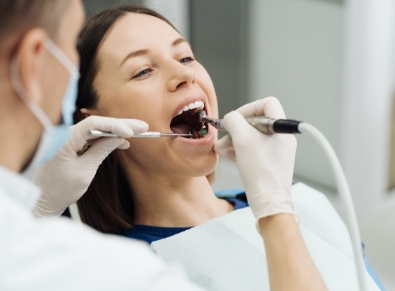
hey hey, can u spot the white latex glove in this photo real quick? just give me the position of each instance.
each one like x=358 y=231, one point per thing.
x=66 y=177
x=265 y=162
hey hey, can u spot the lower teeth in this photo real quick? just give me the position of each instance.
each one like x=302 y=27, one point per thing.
x=198 y=134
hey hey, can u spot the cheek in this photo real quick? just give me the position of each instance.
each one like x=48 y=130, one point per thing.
x=146 y=153
x=208 y=86
x=129 y=101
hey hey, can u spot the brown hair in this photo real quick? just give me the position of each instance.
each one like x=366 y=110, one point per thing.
x=108 y=203
x=18 y=16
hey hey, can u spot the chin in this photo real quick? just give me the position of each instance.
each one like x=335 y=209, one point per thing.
x=175 y=157
x=199 y=166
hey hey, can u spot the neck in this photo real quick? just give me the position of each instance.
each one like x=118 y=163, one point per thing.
x=162 y=200
x=19 y=131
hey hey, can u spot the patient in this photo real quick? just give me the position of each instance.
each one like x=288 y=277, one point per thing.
x=135 y=64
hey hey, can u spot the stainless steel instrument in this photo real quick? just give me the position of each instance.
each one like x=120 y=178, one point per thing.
x=148 y=134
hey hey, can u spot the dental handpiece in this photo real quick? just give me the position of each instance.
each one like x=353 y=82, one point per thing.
x=266 y=125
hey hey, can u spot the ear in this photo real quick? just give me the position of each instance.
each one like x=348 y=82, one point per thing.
x=30 y=55
x=88 y=112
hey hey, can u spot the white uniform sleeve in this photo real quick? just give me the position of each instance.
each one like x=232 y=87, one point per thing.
x=62 y=255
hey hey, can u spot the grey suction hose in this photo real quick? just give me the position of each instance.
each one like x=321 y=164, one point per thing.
x=272 y=126
x=344 y=192
x=293 y=126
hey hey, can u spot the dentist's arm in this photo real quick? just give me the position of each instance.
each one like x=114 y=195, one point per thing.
x=289 y=262
x=266 y=167
x=65 y=178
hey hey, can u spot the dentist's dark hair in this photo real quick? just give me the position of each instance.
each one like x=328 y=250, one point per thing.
x=108 y=204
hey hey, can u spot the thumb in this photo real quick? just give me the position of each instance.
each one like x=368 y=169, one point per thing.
x=102 y=148
x=237 y=126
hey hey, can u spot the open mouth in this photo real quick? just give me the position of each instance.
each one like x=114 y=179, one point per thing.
x=187 y=121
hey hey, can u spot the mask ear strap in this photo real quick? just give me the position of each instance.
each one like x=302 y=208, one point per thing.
x=60 y=56
x=20 y=90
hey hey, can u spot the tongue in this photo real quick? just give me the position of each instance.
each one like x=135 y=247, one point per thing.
x=180 y=128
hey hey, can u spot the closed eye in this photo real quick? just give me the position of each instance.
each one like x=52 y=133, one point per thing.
x=142 y=73
x=187 y=60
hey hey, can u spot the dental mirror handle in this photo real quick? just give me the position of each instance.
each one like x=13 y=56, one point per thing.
x=264 y=124
x=148 y=134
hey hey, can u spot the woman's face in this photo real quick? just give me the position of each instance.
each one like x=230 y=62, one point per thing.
x=147 y=71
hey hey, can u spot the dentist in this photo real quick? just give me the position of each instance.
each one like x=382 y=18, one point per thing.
x=38 y=83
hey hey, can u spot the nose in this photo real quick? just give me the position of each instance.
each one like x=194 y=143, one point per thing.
x=181 y=75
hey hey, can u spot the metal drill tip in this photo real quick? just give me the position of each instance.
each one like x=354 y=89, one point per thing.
x=202 y=114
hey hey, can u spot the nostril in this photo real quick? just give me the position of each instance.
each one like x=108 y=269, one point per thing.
x=182 y=83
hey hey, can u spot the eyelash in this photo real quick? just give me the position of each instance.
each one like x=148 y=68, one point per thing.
x=190 y=59
x=140 y=74
x=146 y=71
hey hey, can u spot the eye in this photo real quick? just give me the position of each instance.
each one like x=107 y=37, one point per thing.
x=187 y=60
x=142 y=73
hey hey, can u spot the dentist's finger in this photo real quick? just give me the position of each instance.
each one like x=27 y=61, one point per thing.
x=120 y=126
x=101 y=149
x=269 y=106
x=224 y=148
x=125 y=128
x=125 y=145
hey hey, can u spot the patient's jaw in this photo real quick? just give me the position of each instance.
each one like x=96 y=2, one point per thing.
x=147 y=71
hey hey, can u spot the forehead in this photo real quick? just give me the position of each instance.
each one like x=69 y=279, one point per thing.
x=138 y=31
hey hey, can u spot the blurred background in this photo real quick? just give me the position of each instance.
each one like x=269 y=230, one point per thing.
x=330 y=63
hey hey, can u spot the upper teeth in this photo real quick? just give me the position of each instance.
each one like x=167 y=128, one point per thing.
x=196 y=104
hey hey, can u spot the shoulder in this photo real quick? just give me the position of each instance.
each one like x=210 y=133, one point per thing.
x=237 y=197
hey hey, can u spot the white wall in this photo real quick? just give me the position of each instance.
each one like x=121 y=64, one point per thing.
x=366 y=102
x=296 y=50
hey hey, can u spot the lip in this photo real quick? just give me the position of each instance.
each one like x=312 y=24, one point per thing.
x=208 y=139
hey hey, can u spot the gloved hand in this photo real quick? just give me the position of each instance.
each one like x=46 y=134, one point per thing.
x=66 y=177
x=265 y=162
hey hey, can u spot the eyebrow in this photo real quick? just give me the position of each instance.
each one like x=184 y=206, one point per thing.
x=134 y=54
x=179 y=40
x=143 y=52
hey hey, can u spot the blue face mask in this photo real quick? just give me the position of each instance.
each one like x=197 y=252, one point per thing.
x=54 y=136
